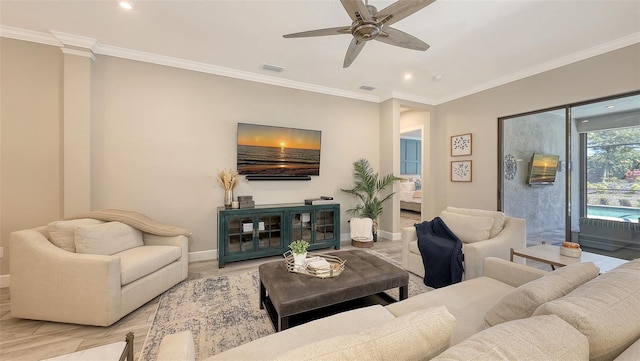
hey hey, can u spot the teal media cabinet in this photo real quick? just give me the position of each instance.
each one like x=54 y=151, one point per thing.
x=267 y=230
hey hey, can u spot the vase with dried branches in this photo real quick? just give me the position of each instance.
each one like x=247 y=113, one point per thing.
x=228 y=179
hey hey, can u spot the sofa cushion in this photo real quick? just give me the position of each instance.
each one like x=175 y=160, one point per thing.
x=107 y=238
x=61 y=233
x=468 y=228
x=499 y=218
x=418 y=335
x=605 y=309
x=535 y=338
x=138 y=262
x=467 y=301
x=524 y=300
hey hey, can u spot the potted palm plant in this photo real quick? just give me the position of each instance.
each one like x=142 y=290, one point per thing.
x=367 y=188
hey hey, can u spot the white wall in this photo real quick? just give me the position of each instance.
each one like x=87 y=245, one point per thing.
x=161 y=134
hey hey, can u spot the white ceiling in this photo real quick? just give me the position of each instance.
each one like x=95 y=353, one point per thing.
x=475 y=45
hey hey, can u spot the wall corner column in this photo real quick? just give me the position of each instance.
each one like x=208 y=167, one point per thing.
x=76 y=131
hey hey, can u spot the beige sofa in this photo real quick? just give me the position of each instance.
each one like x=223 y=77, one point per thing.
x=483 y=234
x=568 y=314
x=91 y=271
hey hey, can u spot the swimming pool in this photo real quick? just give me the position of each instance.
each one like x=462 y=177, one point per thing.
x=625 y=213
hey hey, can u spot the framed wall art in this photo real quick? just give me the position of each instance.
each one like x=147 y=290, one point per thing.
x=461 y=171
x=461 y=145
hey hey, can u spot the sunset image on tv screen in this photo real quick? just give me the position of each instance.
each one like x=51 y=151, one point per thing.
x=269 y=150
x=543 y=168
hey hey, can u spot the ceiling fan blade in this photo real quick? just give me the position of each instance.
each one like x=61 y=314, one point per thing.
x=354 y=7
x=400 y=38
x=320 y=32
x=400 y=10
x=354 y=49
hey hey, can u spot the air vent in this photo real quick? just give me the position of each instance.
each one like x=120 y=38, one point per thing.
x=269 y=67
x=366 y=87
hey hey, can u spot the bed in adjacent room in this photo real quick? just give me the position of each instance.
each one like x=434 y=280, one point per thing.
x=411 y=195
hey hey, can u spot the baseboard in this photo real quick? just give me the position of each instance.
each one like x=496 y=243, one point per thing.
x=389 y=235
x=4 y=281
x=203 y=255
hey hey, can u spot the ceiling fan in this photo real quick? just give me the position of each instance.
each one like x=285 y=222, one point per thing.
x=371 y=24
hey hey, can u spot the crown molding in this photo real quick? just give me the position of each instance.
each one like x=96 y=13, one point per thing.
x=620 y=43
x=29 y=35
x=76 y=40
x=409 y=97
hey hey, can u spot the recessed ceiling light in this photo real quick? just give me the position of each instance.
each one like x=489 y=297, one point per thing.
x=366 y=87
x=407 y=76
x=584 y=121
x=125 y=5
x=437 y=77
x=610 y=106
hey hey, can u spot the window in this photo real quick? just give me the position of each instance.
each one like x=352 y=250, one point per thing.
x=613 y=174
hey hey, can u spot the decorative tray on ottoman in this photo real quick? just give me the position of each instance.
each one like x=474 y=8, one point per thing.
x=321 y=266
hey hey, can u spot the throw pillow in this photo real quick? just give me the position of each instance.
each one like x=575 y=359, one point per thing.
x=536 y=338
x=408 y=186
x=107 y=238
x=605 y=309
x=524 y=300
x=468 y=228
x=61 y=233
x=498 y=217
x=419 y=335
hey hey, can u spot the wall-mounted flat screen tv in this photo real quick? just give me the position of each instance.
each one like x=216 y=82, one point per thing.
x=270 y=151
x=543 y=169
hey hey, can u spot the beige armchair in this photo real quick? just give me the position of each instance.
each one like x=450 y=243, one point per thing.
x=49 y=282
x=502 y=235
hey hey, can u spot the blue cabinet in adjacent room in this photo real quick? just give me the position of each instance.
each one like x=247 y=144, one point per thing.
x=410 y=156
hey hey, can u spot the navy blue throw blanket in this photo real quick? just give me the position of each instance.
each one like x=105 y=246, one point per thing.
x=441 y=252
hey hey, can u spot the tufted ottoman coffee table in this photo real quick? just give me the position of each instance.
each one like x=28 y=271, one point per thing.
x=285 y=294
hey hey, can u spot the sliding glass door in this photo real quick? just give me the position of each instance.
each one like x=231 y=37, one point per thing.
x=609 y=202
x=592 y=194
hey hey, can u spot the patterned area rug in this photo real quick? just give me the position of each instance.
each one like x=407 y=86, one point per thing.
x=221 y=312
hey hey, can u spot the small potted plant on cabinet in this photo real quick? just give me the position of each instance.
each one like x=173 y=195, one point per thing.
x=299 y=250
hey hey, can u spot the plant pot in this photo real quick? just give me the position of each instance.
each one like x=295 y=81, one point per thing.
x=299 y=259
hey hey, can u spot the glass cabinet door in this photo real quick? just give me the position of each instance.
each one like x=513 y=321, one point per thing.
x=324 y=225
x=301 y=226
x=269 y=231
x=240 y=234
